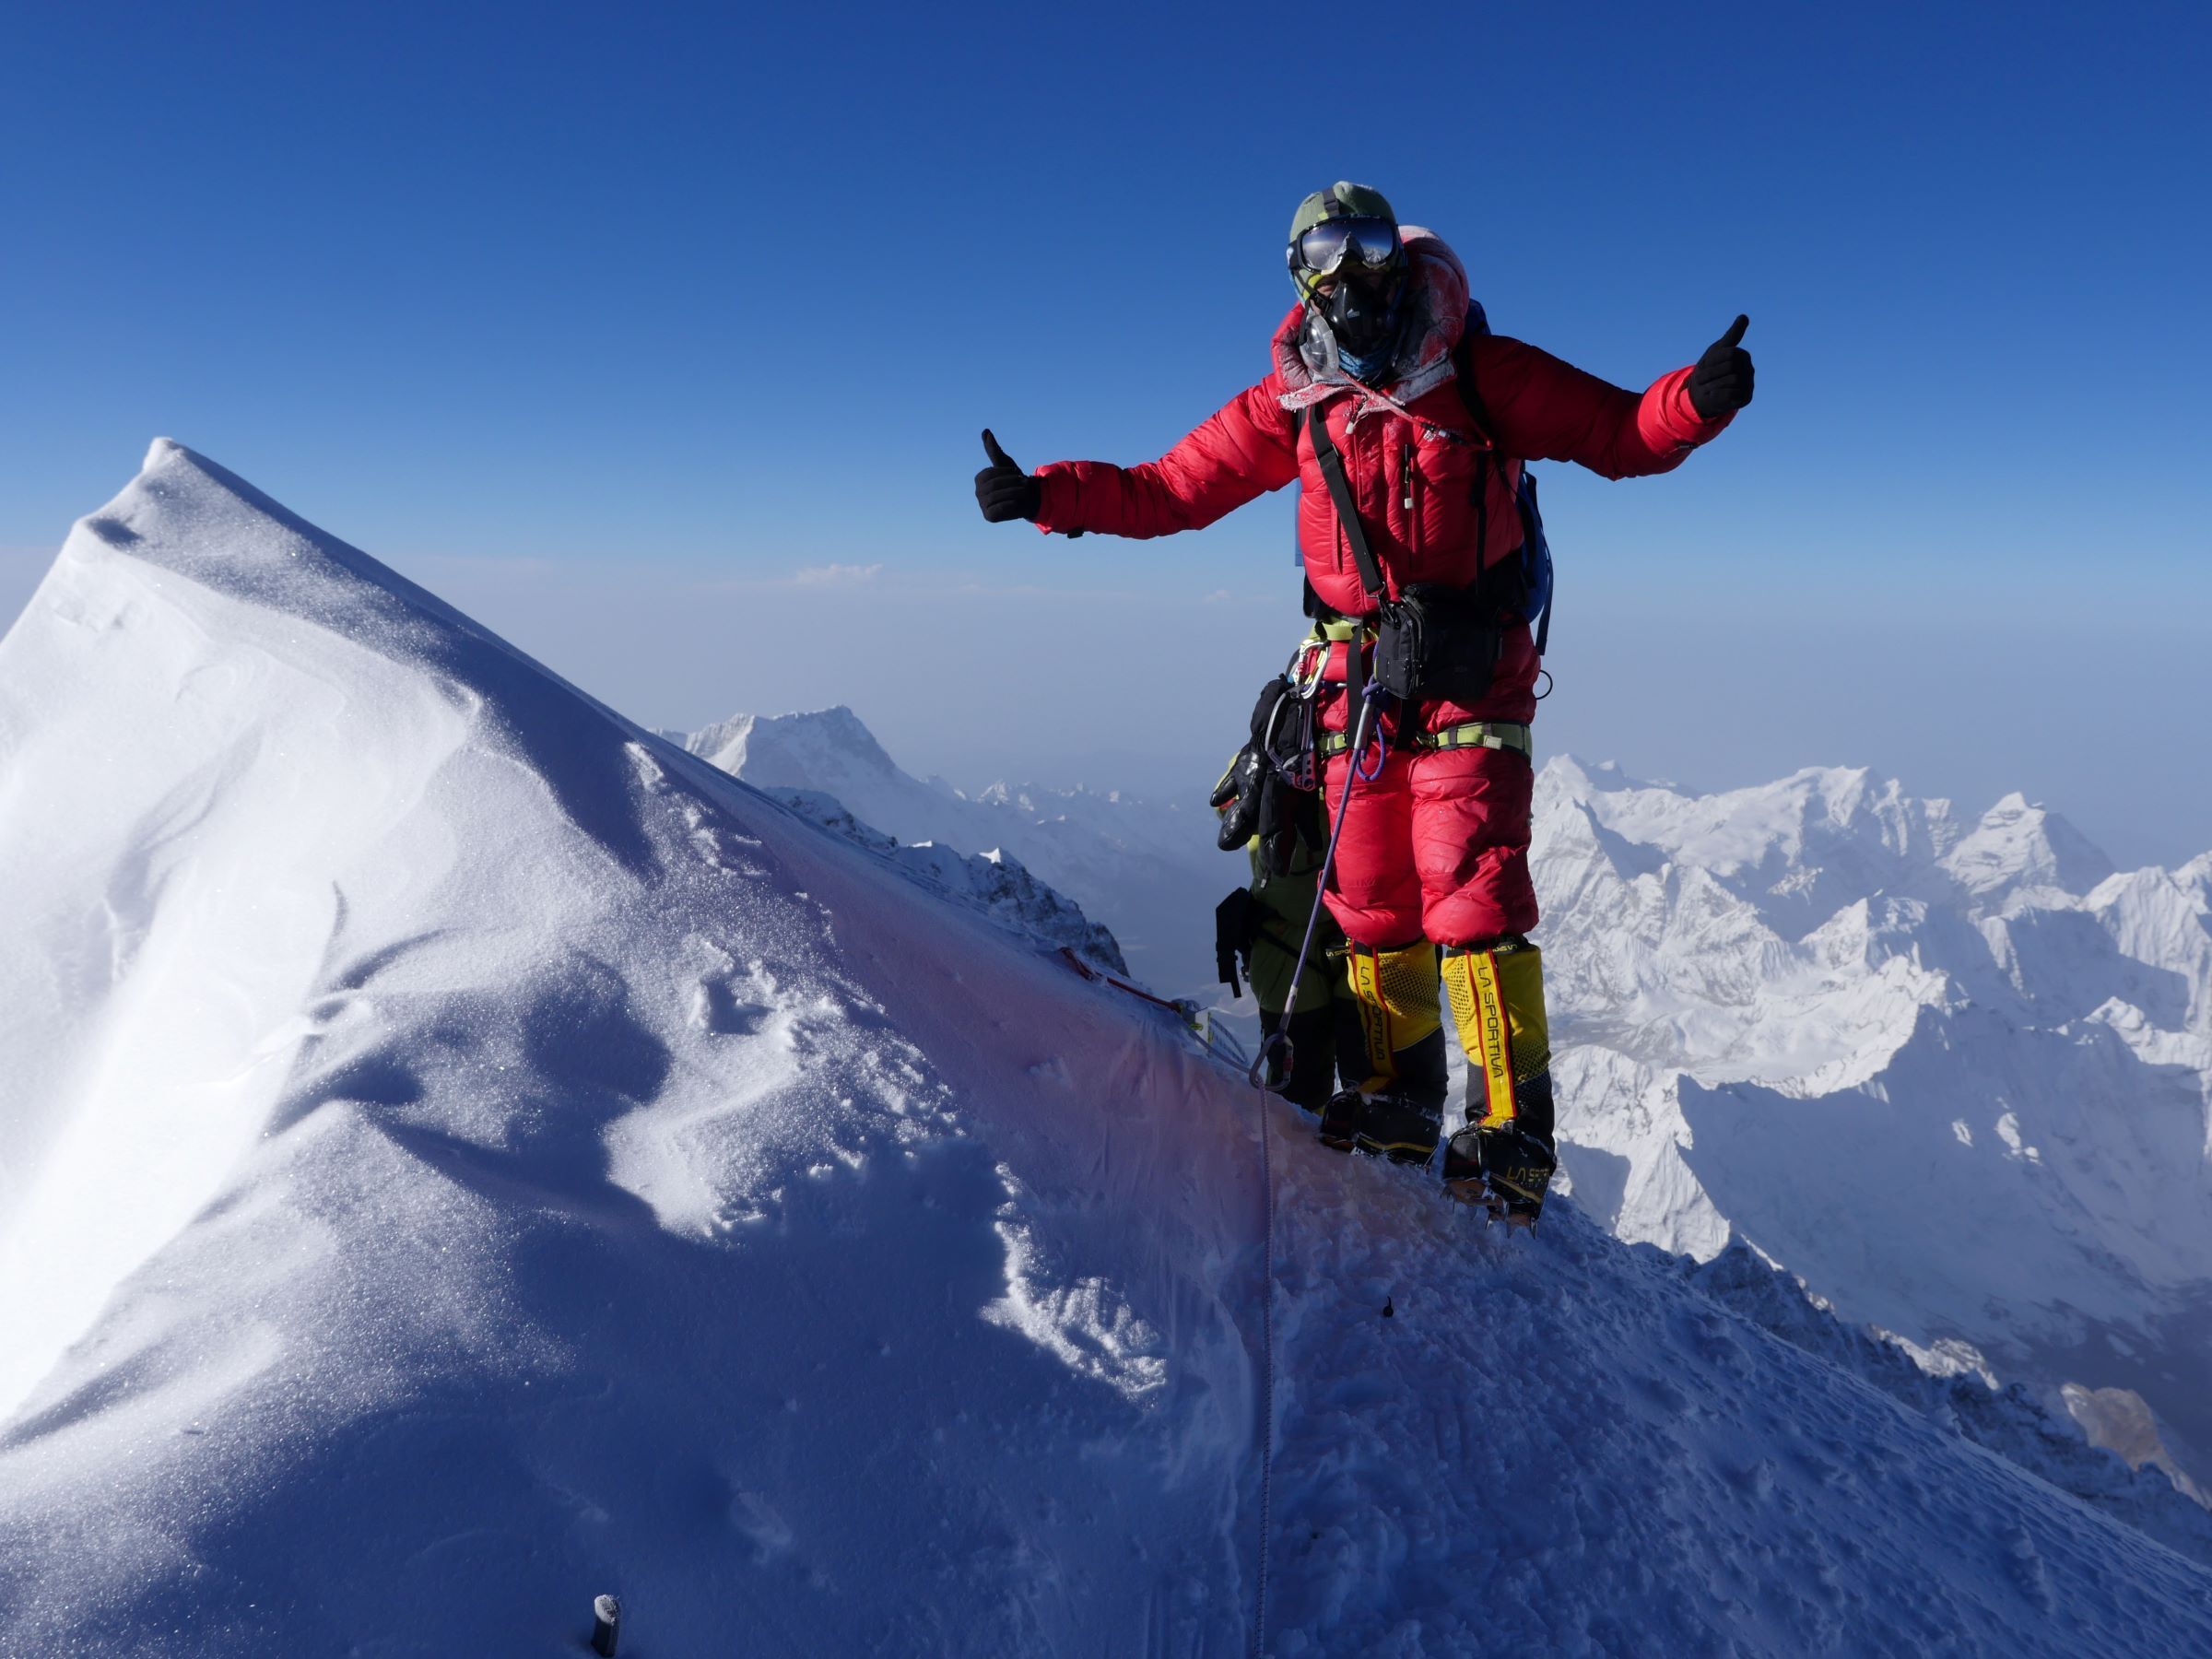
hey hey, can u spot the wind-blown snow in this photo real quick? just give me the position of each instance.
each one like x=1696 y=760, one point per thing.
x=467 y=1154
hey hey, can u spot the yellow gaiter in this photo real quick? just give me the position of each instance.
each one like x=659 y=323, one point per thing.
x=1401 y=1028
x=1496 y=996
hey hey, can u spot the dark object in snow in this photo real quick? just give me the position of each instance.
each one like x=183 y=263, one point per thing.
x=607 y=1625
x=1390 y=1307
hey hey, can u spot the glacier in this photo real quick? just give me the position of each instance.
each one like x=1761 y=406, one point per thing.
x=465 y=1153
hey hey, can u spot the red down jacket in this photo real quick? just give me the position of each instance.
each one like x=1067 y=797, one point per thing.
x=1415 y=444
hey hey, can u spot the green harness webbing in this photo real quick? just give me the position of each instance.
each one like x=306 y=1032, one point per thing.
x=1353 y=634
x=1471 y=734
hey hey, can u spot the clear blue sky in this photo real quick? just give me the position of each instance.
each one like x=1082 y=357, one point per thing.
x=612 y=325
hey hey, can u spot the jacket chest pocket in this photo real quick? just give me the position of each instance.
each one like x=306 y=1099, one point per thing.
x=1445 y=460
x=1440 y=475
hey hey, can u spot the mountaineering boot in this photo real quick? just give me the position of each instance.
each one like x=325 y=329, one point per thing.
x=1402 y=1129
x=1505 y=1157
x=1340 y=1119
x=1502 y=1168
x=1392 y=1022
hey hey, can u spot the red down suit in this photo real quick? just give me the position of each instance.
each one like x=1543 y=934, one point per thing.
x=1437 y=844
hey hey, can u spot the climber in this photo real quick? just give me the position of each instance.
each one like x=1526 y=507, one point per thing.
x=1409 y=430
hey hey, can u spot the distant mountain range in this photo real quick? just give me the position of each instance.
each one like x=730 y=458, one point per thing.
x=1954 y=1074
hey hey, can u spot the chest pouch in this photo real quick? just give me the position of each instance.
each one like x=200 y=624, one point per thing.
x=1433 y=641
x=1438 y=642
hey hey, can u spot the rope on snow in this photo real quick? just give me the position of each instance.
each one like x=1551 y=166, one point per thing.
x=1280 y=1042
x=1259 y=1622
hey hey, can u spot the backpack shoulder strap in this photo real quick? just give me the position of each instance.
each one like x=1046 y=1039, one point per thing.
x=1462 y=372
x=1463 y=376
x=1340 y=492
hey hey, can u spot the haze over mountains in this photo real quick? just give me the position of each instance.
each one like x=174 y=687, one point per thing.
x=466 y=1154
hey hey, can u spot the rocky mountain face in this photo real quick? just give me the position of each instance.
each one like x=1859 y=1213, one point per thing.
x=995 y=883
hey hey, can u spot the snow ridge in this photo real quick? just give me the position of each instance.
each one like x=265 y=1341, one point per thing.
x=993 y=882
x=1828 y=944
x=548 y=1166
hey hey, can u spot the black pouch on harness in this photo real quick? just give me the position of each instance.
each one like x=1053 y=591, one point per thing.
x=1438 y=642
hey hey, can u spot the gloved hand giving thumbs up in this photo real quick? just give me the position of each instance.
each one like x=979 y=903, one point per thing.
x=1721 y=382
x=1002 y=489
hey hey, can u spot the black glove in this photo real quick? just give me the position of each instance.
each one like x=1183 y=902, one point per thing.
x=1247 y=796
x=1721 y=384
x=1002 y=489
x=1234 y=924
x=1254 y=797
x=1236 y=798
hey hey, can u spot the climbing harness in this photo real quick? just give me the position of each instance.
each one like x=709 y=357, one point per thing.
x=1470 y=733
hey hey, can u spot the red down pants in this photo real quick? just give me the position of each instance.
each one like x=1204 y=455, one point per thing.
x=1435 y=846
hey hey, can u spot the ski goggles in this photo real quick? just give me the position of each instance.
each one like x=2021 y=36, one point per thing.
x=1370 y=242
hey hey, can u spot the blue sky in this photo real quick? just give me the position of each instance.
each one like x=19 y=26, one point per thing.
x=661 y=342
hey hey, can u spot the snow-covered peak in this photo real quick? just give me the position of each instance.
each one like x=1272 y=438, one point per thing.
x=464 y=1154
x=794 y=751
x=1825 y=825
x=2018 y=847
x=1578 y=777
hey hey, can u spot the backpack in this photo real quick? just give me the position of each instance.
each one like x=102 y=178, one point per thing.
x=1536 y=551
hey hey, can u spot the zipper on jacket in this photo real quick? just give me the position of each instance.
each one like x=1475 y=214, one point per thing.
x=1411 y=474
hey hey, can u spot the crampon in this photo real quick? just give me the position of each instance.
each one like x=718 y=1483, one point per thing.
x=1384 y=1125
x=1502 y=1168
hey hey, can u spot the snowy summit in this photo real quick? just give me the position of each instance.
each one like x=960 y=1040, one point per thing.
x=465 y=1155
